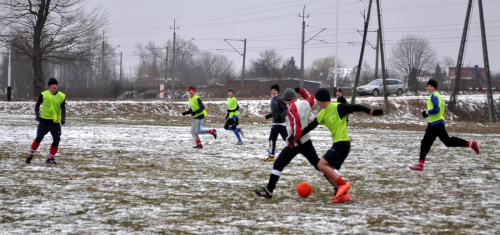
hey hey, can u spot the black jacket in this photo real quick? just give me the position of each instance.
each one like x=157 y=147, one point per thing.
x=278 y=110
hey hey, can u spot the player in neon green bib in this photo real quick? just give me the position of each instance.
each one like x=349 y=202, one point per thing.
x=232 y=119
x=50 y=118
x=333 y=116
x=198 y=111
x=435 y=128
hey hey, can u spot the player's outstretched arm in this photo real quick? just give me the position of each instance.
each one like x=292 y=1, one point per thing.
x=345 y=109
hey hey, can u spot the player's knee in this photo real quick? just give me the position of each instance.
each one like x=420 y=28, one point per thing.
x=55 y=142
x=39 y=139
x=322 y=166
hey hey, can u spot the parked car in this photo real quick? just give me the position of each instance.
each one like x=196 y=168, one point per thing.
x=376 y=87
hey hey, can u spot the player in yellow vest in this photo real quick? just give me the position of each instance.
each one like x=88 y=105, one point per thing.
x=435 y=128
x=333 y=116
x=198 y=111
x=232 y=119
x=50 y=118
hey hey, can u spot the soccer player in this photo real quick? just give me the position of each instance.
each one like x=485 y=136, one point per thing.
x=333 y=116
x=298 y=115
x=50 y=118
x=340 y=97
x=435 y=128
x=198 y=111
x=232 y=116
x=278 y=113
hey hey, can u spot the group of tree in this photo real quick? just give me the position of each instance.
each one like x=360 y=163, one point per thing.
x=53 y=37
x=60 y=38
x=192 y=66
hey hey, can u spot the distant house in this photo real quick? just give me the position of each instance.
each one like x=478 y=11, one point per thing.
x=467 y=73
x=470 y=77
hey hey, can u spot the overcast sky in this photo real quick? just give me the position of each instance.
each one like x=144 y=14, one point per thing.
x=269 y=24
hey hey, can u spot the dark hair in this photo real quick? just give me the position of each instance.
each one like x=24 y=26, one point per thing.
x=433 y=83
x=276 y=87
x=322 y=95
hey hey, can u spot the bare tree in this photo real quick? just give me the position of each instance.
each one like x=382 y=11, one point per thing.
x=214 y=66
x=152 y=63
x=367 y=73
x=321 y=67
x=268 y=65
x=48 y=30
x=411 y=56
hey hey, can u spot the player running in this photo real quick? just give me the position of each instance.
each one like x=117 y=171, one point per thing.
x=435 y=128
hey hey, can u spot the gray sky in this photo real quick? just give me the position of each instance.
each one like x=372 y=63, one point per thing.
x=277 y=25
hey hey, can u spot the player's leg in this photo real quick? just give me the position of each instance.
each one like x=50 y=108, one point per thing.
x=284 y=158
x=307 y=149
x=273 y=136
x=55 y=131
x=332 y=161
x=41 y=131
x=283 y=132
x=194 y=133
x=203 y=131
x=425 y=146
x=455 y=141
x=233 y=127
x=227 y=125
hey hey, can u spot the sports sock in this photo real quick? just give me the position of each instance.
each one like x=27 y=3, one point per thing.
x=273 y=180
x=340 y=181
x=34 y=147
x=421 y=162
x=237 y=133
x=198 y=142
x=52 y=152
x=469 y=144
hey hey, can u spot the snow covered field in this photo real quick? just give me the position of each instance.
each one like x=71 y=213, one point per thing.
x=119 y=175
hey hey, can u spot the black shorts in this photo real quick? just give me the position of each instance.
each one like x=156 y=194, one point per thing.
x=338 y=153
x=44 y=128
x=231 y=122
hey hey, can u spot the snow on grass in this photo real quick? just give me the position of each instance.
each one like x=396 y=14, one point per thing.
x=131 y=176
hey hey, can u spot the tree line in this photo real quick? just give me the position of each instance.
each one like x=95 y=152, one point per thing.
x=59 y=38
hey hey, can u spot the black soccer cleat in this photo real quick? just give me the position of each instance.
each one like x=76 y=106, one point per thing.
x=198 y=146
x=214 y=133
x=28 y=160
x=51 y=161
x=264 y=193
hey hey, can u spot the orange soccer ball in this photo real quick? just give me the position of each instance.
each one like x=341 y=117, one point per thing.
x=304 y=189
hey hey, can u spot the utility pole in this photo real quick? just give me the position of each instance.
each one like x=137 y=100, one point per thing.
x=121 y=70
x=102 y=65
x=9 y=69
x=491 y=102
x=244 y=55
x=360 y=63
x=458 y=69
x=336 y=55
x=173 y=57
x=166 y=66
x=243 y=67
x=382 y=57
x=376 y=54
x=303 y=42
